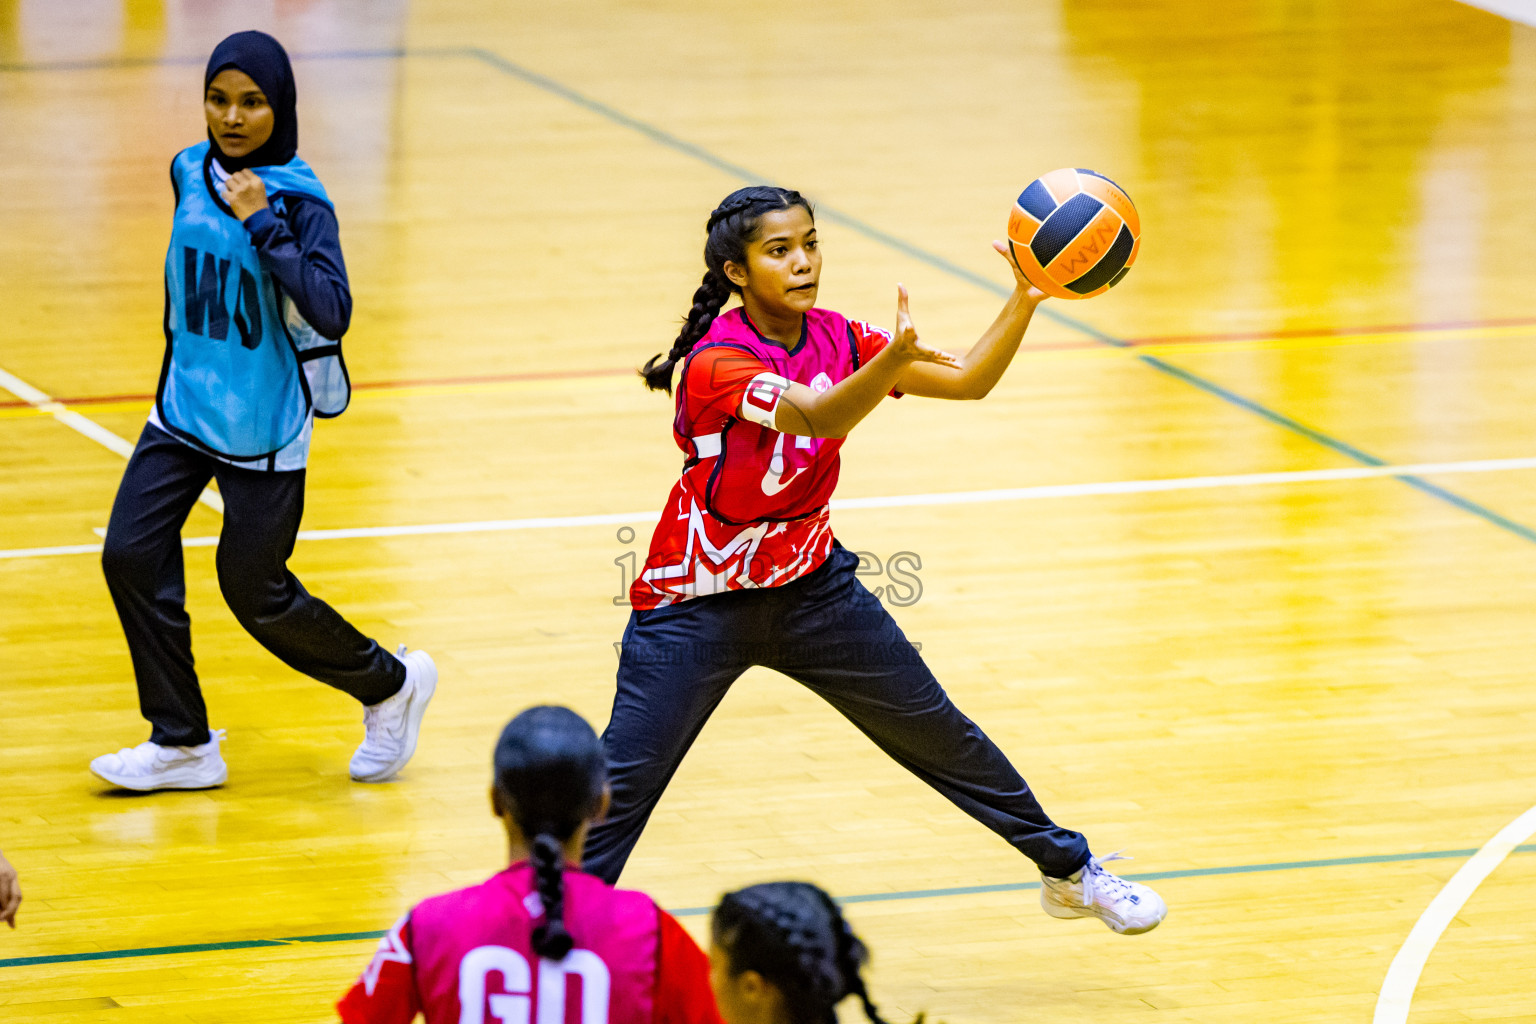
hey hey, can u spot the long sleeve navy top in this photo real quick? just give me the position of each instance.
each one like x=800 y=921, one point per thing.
x=298 y=242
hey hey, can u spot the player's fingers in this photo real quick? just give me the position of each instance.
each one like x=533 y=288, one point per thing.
x=1002 y=249
x=901 y=299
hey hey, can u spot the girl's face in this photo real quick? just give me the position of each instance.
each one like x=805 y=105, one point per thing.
x=783 y=267
x=745 y=998
x=238 y=113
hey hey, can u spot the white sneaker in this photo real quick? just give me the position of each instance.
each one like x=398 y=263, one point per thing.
x=1127 y=907
x=150 y=766
x=392 y=725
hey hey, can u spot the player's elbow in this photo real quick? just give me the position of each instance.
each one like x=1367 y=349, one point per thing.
x=823 y=431
x=971 y=390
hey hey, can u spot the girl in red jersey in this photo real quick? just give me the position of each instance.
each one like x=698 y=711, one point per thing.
x=743 y=569
x=538 y=941
x=782 y=953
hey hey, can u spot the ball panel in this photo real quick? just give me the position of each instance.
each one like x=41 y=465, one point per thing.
x=1024 y=259
x=1037 y=200
x=1112 y=196
x=1096 y=174
x=1085 y=250
x=1061 y=227
x=1074 y=233
x=1021 y=226
x=1099 y=275
x=1062 y=184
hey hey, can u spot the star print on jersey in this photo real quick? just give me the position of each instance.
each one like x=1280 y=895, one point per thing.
x=392 y=950
x=715 y=564
x=751 y=506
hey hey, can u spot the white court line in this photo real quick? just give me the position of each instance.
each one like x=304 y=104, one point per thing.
x=1515 y=10
x=1188 y=483
x=90 y=428
x=1403 y=976
x=1185 y=483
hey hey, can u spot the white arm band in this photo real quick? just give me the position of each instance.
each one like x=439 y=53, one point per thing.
x=760 y=401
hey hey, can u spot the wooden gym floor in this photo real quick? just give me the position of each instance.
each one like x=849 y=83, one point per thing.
x=1297 y=688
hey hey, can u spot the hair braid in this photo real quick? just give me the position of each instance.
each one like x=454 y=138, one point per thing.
x=731 y=226
x=730 y=207
x=551 y=940
x=795 y=936
x=814 y=988
x=851 y=957
x=708 y=299
x=549 y=780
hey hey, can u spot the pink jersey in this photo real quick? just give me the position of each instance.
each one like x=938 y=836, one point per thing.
x=467 y=957
x=750 y=509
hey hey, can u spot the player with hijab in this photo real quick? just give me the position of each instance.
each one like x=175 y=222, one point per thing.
x=256 y=303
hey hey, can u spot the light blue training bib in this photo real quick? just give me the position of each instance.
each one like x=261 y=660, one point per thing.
x=235 y=342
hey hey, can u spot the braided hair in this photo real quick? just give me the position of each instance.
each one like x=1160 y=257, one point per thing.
x=550 y=776
x=731 y=226
x=795 y=936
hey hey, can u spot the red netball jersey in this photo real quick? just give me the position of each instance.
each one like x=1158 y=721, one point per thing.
x=467 y=957
x=750 y=509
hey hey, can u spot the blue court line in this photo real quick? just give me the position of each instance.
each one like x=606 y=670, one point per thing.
x=681 y=145
x=678 y=144
x=875 y=897
x=127 y=63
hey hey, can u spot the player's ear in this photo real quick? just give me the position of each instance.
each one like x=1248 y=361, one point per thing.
x=754 y=989
x=736 y=273
x=604 y=803
x=498 y=805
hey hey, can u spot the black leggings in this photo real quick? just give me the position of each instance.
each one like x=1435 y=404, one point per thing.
x=827 y=631
x=142 y=561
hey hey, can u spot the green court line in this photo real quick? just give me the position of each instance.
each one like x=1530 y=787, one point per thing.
x=874 y=897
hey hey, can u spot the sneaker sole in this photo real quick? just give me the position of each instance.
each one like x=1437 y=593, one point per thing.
x=170 y=780
x=1119 y=928
x=425 y=689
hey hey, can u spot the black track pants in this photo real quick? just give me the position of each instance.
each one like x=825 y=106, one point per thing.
x=827 y=631
x=142 y=561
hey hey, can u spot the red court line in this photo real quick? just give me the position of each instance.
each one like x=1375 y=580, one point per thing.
x=374 y=385
x=1064 y=346
x=1284 y=335
x=1333 y=332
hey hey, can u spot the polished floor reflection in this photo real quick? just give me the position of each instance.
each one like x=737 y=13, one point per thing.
x=1213 y=643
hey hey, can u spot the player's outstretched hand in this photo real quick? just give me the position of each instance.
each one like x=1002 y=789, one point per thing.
x=10 y=892
x=1031 y=293
x=906 y=342
x=245 y=193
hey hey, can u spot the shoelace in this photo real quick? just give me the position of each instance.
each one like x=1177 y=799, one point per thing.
x=372 y=728
x=1095 y=877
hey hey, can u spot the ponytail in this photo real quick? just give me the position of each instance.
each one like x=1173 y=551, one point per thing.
x=795 y=936
x=550 y=777
x=708 y=300
x=850 y=956
x=731 y=226
x=551 y=940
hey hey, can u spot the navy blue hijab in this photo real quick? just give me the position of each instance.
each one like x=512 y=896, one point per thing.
x=266 y=62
